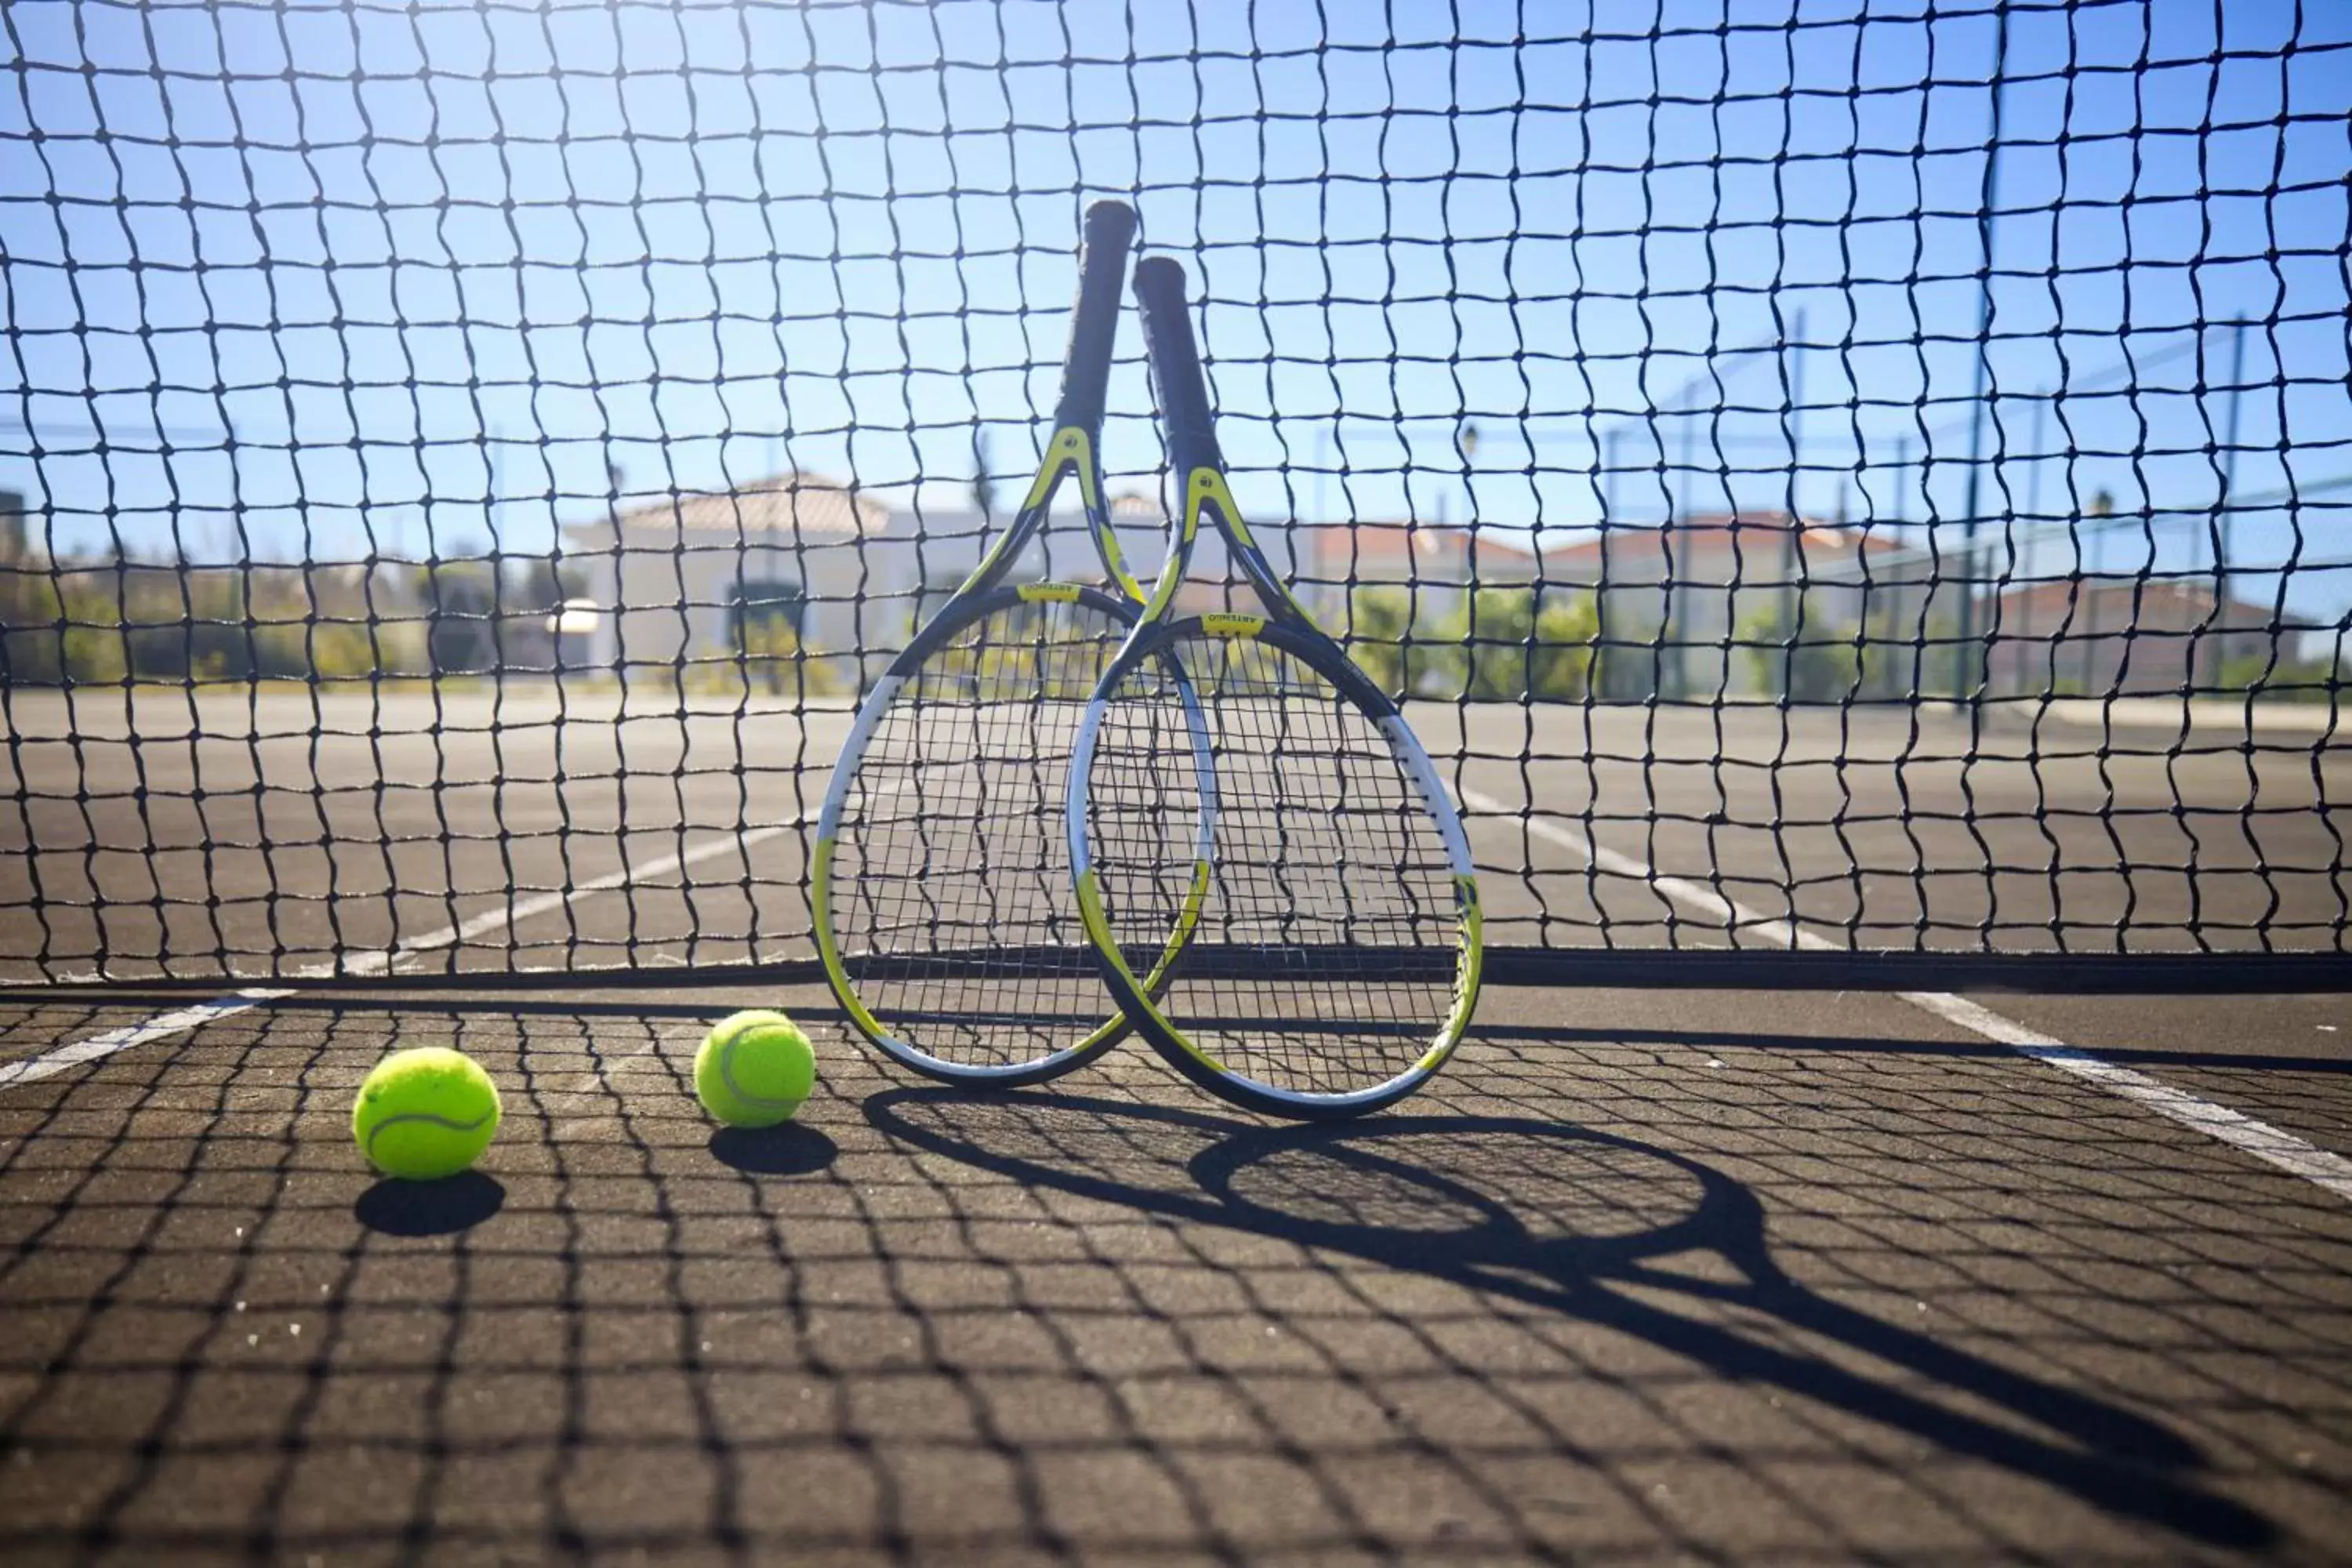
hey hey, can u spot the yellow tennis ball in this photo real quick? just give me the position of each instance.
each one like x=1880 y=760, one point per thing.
x=754 y=1069
x=426 y=1114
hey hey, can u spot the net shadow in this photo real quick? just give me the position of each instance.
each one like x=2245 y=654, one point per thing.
x=1506 y=1207
x=1596 y=1295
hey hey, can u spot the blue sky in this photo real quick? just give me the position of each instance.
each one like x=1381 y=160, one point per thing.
x=428 y=262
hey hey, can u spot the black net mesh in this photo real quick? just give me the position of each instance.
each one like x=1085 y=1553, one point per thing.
x=1823 y=480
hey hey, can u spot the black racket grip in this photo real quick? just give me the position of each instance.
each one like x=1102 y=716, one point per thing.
x=1176 y=366
x=1094 y=320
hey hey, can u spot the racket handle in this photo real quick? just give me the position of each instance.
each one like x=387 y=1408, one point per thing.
x=1094 y=320
x=1176 y=365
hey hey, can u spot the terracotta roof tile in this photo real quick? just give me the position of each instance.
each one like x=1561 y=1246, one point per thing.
x=808 y=505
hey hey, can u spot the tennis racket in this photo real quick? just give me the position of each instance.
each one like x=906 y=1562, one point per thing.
x=940 y=886
x=1332 y=955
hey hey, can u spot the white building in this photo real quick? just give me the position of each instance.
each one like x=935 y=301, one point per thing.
x=668 y=584
x=676 y=577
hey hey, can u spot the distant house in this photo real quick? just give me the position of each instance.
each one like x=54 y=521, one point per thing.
x=2125 y=636
x=685 y=579
x=953 y=542
x=671 y=584
x=1211 y=581
x=1435 y=562
x=936 y=548
x=1687 y=607
x=1699 y=587
x=572 y=628
x=1336 y=557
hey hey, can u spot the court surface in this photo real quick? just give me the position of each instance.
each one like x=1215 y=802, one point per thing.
x=1744 y=1278
x=1646 y=1276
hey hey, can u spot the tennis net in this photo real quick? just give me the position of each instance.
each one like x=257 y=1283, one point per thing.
x=1834 y=484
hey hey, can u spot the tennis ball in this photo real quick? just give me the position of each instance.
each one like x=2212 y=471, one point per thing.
x=426 y=1114
x=754 y=1069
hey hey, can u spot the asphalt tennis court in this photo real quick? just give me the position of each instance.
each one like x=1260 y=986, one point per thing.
x=1715 y=1276
x=1707 y=1277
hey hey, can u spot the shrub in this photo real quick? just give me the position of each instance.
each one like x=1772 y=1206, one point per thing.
x=1823 y=665
x=1497 y=645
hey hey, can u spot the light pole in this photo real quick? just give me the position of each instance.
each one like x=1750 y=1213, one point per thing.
x=2101 y=508
x=1670 y=674
x=1966 y=672
x=2025 y=564
x=1322 y=462
x=1466 y=441
x=1792 y=540
x=2221 y=641
x=1465 y=444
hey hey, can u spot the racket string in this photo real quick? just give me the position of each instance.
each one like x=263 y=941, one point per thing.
x=959 y=931
x=1327 y=945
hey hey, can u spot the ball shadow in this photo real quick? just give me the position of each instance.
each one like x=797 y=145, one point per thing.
x=398 y=1207
x=788 y=1149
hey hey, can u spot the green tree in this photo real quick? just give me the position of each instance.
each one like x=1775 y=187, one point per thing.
x=765 y=619
x=158 y=620
x=1509 y=643
x=91 y=645
x=1380 y=624
x=1816 y=663
x=772 y=650
x=2280 y=680
x=32 y=648
x=1498 y=644
x=279 y=602
x=370 y=619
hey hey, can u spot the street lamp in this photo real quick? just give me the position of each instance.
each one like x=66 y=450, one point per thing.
x=1466 y=441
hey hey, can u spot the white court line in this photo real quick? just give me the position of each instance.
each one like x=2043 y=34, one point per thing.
x=163 y=1025
x=598 y=1078
x=2269 y=1144
x=2264 y=1141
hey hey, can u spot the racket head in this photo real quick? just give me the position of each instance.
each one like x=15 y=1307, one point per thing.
x=940 y=888
x=1332 y=939
x=951 y=777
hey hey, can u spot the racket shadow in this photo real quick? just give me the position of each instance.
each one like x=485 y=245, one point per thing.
x=1605 y=1229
